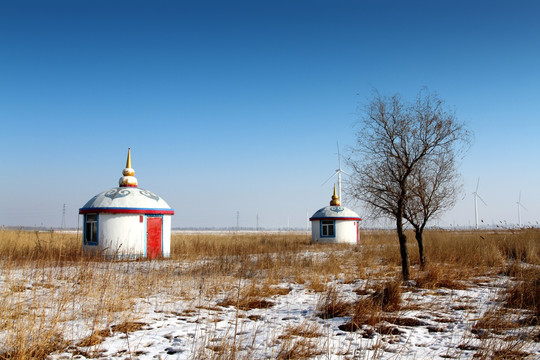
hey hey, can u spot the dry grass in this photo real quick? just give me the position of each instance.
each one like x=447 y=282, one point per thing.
x=254 y=296
x=306 y=330
x=45 y=280
x=372 y=308
x=495 y=321
x=298 y=349
x=387 y=296
x=38 y=350
x=300 y=342
x=98 y=336
x=18 y=246
x=365 y=312
x=331 y=304
x=196 y=246
x=525 y=293
x=442 y=275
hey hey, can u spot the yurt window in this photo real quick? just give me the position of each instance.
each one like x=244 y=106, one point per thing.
x=327 y=228
x=90 y=229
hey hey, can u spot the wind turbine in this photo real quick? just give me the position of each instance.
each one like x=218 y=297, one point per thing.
x=339 y=171
x=519 y=205
x=476 y=197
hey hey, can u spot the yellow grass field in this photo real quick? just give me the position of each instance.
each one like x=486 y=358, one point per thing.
x=56 y=301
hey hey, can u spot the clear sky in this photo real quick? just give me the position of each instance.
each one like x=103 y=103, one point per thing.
x=236 y=106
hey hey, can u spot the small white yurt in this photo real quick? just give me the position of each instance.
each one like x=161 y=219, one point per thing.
x=335 y=224
x=127 y=221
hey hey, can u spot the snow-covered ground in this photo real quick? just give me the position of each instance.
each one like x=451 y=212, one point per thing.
x=184 y=324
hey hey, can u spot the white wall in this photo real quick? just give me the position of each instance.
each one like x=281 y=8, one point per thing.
x=123 y=235
x=166 y=235
x=345 y=231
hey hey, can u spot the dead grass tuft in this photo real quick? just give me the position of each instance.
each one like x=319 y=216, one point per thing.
x=298 y=349
x=332 y=305
x=305 y=330
x=317 y=283
x=251 y=297
x=226 y=349
x=385 y=329
x=388 y=296
x=525 y=294
x=495 y=321
x=441 y=276
x=98 y=336
x=95 y=338
x=128 y=326
x=38 y=350
x=511 y=350
x=369 y=309
x=404 y=321
x=365 y=312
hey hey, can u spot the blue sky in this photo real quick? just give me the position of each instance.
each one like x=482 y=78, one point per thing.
x=237 y=106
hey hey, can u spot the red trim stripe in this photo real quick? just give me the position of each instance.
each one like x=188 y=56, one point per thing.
x=127 y=211
x=335 y=218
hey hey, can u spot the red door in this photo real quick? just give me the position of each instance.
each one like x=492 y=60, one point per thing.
x=153 y=237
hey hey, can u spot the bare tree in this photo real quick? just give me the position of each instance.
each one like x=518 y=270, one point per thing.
x=396 y=141
x=433 y=190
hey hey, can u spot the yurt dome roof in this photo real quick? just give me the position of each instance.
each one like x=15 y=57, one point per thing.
x=127 y=198
x=335 y=211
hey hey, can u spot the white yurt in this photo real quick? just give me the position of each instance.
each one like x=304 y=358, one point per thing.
x=127 y=221
x=335 y=224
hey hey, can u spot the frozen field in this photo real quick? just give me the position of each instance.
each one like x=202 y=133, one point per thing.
x=181 y=321
x=272 y=296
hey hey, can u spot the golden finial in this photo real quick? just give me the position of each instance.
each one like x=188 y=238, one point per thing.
x=128 y=162
x=335 y=199
x=128 y=179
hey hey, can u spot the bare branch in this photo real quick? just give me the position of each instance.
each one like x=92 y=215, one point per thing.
x=404 y=161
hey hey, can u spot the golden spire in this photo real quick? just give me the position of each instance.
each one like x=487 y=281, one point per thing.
x=128 y=162
x=335 y=199
x=128 y=179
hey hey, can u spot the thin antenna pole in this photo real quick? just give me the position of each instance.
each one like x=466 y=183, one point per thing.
x=519 y=205
x=519 y=216
x=64 y=217
x=257 y=222
x=238 y=220
x=339 y=172
x=476 y=209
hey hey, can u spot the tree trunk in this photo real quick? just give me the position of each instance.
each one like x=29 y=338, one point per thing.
x=403 y=249
x=419 y=239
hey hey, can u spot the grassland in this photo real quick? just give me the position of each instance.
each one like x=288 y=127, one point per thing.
x=55 y=300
